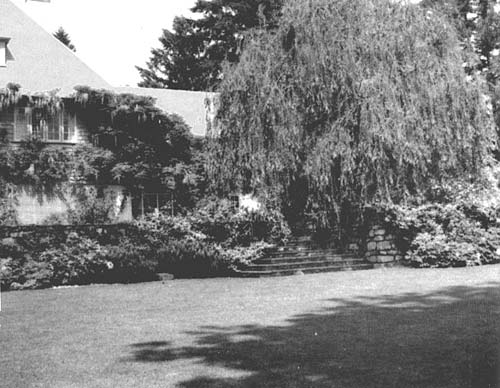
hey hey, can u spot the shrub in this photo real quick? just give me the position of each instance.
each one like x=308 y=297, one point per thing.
x=78 y=261
x=128 y=263
x=244 y=255
x=190 y=258
x=446 y=235
x=230 y=227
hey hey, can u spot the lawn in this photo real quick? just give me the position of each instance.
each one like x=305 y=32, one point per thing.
x=377 y=328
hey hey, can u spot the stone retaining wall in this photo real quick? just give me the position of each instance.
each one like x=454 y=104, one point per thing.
x=381 y=247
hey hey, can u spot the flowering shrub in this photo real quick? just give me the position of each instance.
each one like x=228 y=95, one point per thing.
x=446 y=235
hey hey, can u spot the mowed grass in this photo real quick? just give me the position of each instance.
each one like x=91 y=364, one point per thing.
x=377 y=328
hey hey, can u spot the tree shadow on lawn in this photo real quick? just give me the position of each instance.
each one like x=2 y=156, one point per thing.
x=449 y=338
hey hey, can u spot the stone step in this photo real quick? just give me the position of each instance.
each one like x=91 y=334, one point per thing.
x=303 y=252
x=318 y=256
x=289 y=272
x=301 y=265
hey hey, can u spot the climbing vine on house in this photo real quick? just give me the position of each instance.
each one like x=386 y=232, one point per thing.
x=134 y=144
x=349 y=103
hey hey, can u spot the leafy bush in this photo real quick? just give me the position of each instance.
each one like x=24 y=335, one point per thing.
x=209 y=241
x=190 y=258
x=230 y=227
x=78 y=261
x=92 y=206
x=128 y=263
x=462 y=233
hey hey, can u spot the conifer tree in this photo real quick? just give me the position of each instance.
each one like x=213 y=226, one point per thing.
x=64 y=38
x=191 y=55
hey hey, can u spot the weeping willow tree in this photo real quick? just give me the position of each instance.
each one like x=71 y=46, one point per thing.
x=350 y=102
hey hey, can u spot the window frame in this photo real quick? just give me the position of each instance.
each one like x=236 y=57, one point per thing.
x=63 y=120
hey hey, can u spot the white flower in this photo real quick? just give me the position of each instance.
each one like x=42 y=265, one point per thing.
x=109 y=264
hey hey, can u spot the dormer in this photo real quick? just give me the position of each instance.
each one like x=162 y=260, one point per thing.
x=4 y=52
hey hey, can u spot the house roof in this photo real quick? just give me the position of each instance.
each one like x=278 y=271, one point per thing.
x=196 y=108
x=38 y=61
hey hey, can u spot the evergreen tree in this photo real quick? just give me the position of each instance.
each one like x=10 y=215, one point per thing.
x=352 y=102
x=478 y=24
x=64 y=38
x=191 y=56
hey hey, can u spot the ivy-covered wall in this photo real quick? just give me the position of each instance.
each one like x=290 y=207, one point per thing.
x=138 y=147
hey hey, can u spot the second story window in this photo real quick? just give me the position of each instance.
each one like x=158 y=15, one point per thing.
x=57 y=127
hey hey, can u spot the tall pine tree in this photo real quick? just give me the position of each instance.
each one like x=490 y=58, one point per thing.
x=191 y=56
x=64 y=38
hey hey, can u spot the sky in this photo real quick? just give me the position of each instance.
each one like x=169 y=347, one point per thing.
x=111 y=36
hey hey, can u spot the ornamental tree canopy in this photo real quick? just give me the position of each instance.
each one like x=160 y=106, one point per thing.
x=354 y=102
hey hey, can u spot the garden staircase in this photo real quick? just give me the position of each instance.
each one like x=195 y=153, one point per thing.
x=301 y=256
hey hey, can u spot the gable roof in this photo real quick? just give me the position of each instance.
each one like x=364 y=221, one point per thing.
x=37 y=60
x=196 y=108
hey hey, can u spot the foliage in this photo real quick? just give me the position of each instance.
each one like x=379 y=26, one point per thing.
x=8 y=214
x=92 y=164
x=140 y=147
x=78 y=260
x=439 y=250
x=191 y=258
x=128 y=263
x=190 y=56
x=35 y=164
x=217 y=221
x=238 y=256
x=92 y=207
x=64 y=38
x=221 y=222
x=212 y=239
x=478 y=24
x=75 y=262
x=347 y=104
x=460 y=232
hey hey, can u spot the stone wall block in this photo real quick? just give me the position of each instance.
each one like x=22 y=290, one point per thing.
x=384 y=258
x=384 y=245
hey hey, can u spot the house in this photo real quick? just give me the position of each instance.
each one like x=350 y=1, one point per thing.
x=39 y=63
x=32 y=58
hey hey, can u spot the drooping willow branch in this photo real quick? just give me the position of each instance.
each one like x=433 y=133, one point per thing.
x=366 y=100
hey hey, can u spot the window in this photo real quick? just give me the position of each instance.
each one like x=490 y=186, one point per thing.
x=38 y=124
x=49 y=126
